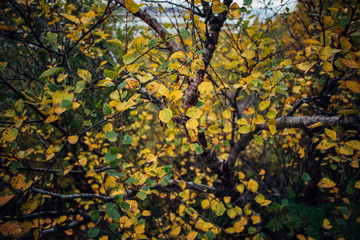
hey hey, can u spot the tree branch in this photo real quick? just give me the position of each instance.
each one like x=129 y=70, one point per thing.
x=157 y=27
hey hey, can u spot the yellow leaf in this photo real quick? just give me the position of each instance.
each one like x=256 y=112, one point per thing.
x=355 y=144
x=248 y=54
x=326 y=224
x=357 y=185
x=10 y=134
x=238 y=227
x=205 y=204
x=242 y=121
x=165 y=115
x=264 y=104
x=84 y=74
x=132 y=83
x=146 y=213
x=17 y=182
x=353 y=86
x=325 y=144
x=231 y=213
x=51 y=119
x=354 y=164
x=256 y=219
x=191 y=235
x=131 y=6
x=194 y=112
x=349 y=63
x=178 y=54
x=240 y=188
x=345 y=150
x=248 y=111
x=271 y=113
x=331 y=134
x=271 y=124
x=253 y=185
x=305 y=66
x=259 y=119
x=325 y=53
x=300 y=237
x=328 y=67
x=205 y=88
x=345 y=44
x=315 y=125
x=71 y=18
x=227 y=199
x=5 y=198
x=163 y=91
x=175 y=96
x=68 y=169
x=218 y=7
x=11 y=229
x=326 y=183
x=73 y=139
x=197 y=64
x=226 y=114
x=191 y=124
x=213 y=129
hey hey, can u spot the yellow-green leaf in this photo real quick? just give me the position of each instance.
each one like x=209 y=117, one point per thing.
x=131 y=6
x=197 y=64
x=10 y=134
x=194 y=112
x=263 y=105
x=165 y=115
x=84 y=74
x=244 y=129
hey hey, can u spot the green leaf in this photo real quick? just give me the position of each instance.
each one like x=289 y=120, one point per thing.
x=93 y=232
x=66 y=103
x=114 y=173
x=198 y=149
x=52 y=86
x=51 y=71
x=111 y=136
x=344 y=210
x=165 y=180
x=109 y=157
x=15 y=165
x=305 y=177
x=51 y=37
x=94 y=215
x=127 y=140
x=184 y=33
x=247 y=2
x=210 y=234
x=153 y=42
x=112 y=211
x=107 y=110
x=168 y=168
x=284 y=203
x=125 y=205
x=130 y=180
x=110 y=74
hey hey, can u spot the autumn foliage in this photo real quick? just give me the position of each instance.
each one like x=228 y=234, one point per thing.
x=219 y=123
